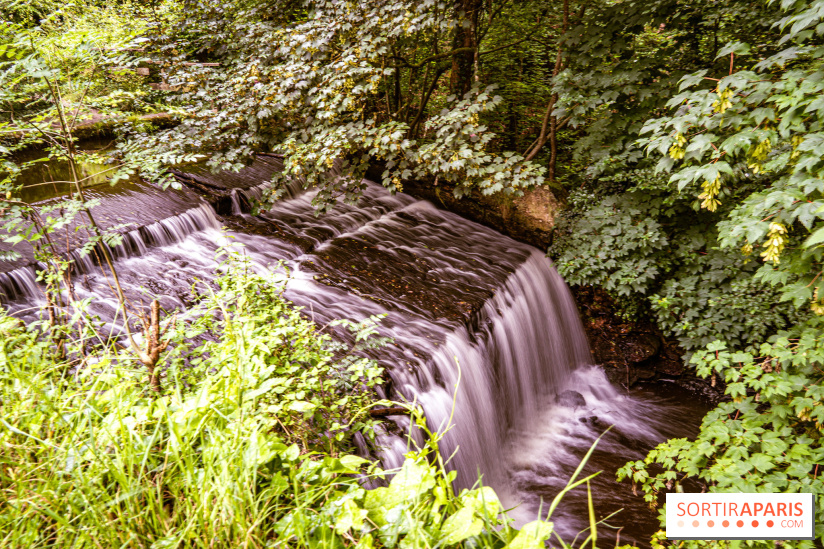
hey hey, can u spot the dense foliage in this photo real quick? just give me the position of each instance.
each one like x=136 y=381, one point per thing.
x=687 y=136
x=345 y=84
x=725 y=253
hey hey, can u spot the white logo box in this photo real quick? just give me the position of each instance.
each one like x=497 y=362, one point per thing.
x=740 y=516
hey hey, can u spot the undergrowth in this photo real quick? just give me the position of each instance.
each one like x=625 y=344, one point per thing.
x=248 y=444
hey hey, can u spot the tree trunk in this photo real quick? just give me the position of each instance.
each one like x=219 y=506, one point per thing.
x=553 y=124
x=385 y=412
x=553 y=148
x=154 y=345
x=466 y=21
x=550 y=121
x=396 y=103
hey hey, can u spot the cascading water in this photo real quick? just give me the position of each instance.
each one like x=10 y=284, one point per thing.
x=459 y=299
x=20 y=283
x=528 y=343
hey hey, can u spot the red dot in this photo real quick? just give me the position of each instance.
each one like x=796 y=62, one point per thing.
x=754 y=523
x=710 y=523
x=770 y=524
x=725 y=523
x=740 y=523
x=695 y=524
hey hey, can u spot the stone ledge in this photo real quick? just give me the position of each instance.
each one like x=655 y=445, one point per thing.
x=528 y=218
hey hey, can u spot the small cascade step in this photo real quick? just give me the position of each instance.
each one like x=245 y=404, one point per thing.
x=20 y=283
x=234 y=193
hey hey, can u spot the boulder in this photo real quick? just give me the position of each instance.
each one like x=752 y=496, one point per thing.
x=571 y=399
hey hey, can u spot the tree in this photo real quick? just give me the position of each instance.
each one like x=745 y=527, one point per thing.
x=340 y=84
x=64 y=84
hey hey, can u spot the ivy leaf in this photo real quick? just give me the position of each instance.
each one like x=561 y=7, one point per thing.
x=762 y=462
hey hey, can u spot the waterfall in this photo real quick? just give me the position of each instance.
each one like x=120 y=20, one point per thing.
x=21 y=283
x=459 y=299
x=529 y=342
x=237 y=209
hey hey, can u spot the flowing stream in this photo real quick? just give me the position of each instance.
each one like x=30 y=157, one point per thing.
x=461 y=301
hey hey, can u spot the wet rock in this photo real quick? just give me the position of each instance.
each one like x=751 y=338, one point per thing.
x=640 y=346
x=528 y=218
x=629 y=375
x=413 y=260
x=365 y=266
x=618 y=376
x=702 y=389
x=628 y=350
x=571 y=399
x=257 y=172
x=594 y=421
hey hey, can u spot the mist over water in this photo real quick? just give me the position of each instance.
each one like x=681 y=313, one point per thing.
x=461 y=302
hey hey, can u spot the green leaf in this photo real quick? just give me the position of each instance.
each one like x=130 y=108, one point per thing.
x=301 y=406
x=762 y=462
x=353 y=462
x=461 y=525
x=485 y=502
x=409 y=484
x=737 y=48
x=532 y=535
x=351 y=517
x=291 y=453
x=816 y=238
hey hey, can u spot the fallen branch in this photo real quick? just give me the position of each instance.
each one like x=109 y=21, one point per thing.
x=384 y=412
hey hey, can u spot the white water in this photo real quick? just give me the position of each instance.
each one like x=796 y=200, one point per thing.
x=516 y=342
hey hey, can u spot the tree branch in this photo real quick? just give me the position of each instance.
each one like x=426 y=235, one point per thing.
x=542 y=137
x=457 y=51
x=414 y=126
x=492 y=16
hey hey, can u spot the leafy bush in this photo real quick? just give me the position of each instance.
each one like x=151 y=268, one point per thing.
x=617 y=243
x=767 y=438
x=91 y=456
x=307 y=386
x=659 y=257
x=88 y=49
x=743 y=148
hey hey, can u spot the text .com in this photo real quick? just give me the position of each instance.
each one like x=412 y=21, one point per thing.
x=740 y=516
